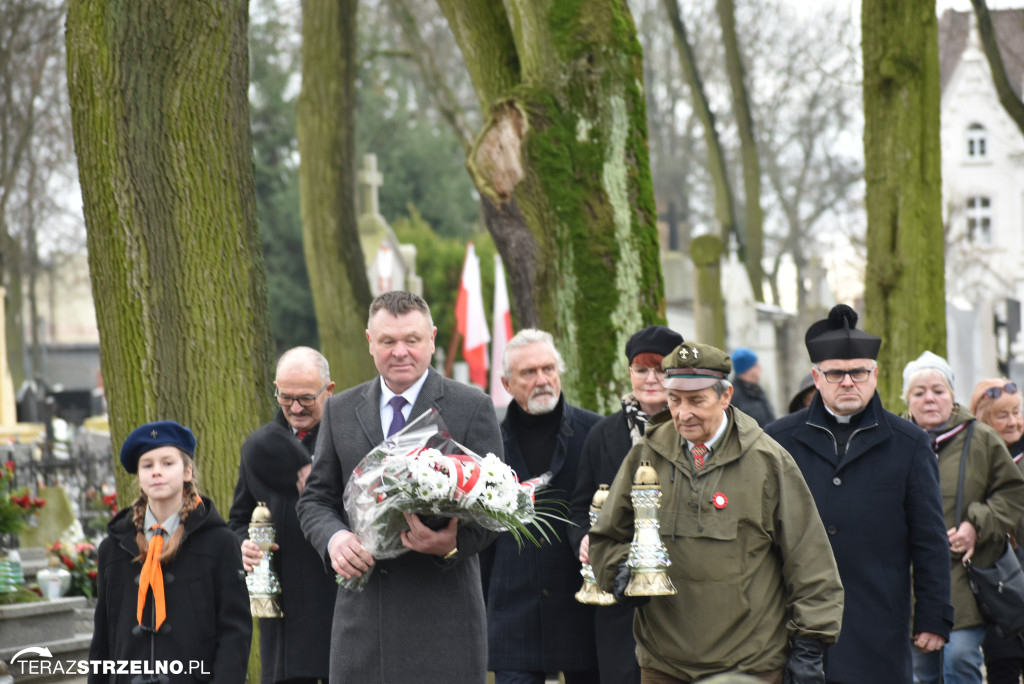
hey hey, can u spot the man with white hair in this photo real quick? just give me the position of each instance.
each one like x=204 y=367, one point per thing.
x=535 y=625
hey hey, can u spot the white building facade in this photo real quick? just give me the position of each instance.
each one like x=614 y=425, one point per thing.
x=983 y=198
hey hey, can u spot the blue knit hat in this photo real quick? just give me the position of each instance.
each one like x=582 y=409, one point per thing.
x=743 y=359
x=152 y=435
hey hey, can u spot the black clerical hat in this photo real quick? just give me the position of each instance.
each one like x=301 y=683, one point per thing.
x=837 y=337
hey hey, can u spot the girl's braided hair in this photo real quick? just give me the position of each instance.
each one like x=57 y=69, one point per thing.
x=189 y=502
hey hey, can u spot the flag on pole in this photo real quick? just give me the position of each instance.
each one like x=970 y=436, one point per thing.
x=502 y=333
x=470 y=319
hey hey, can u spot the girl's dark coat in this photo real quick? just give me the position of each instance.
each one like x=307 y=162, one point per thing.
x=208 y=617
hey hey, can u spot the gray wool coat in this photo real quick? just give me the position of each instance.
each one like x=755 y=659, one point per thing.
x=420 y=618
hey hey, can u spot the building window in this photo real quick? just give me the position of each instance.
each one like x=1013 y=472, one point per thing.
x=977 y=141
x=979 y=220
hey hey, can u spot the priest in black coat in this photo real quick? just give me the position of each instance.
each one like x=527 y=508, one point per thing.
x=875 y=482
x=275 y=461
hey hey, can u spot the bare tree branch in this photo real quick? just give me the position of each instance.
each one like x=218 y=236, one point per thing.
x=1011 y=103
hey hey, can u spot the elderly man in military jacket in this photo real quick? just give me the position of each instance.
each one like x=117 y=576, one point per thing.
x=758 y=589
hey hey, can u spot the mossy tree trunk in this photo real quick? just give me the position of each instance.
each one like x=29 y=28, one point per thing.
x=158 y=94
x=565 y=139
x=504 y=220
x=326 y=130
x=905 y=286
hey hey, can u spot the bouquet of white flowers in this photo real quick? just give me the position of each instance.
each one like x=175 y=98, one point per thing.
x=422 y=470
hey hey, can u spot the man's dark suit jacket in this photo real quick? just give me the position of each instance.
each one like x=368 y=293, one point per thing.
x=420 y=618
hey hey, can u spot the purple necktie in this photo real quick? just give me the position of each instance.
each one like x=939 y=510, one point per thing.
x=398 y=421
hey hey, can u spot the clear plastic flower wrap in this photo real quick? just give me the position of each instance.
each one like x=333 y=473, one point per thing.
x=422 y=470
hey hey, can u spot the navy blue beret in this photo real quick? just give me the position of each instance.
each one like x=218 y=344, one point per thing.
x=152 y=435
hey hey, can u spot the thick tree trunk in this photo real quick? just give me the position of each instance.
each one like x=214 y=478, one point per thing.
x=504 y=221
x=753 y=234
x=512 y=236
x=566 y=140
x=905 y=286
x=326 y=129
x=158 y=94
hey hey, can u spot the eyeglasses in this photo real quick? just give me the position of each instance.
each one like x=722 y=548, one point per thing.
x=305 y=401
x=644 y=371
x=996 y=392
x=856 y=374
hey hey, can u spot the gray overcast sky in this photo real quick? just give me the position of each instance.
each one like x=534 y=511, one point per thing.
x=941 y=5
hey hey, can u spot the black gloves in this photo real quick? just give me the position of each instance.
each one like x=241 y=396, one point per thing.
x=806 y=662
x=619 y=588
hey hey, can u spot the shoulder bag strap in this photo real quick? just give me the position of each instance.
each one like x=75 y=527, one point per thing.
x=963 y=469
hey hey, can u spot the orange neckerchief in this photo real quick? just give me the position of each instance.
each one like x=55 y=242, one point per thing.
x=153 y=575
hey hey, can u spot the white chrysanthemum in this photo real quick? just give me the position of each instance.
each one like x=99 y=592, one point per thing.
x=432 y=477
x=501 y=488
x=468 y=499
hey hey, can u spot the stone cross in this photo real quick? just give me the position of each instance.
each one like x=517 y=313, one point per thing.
x=369 y=180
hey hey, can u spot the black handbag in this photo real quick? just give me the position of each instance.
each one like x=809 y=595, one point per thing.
x=999 y=590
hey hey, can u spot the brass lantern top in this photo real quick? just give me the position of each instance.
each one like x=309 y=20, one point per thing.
x=261 y=514
x=600 y=496
x=646 y=476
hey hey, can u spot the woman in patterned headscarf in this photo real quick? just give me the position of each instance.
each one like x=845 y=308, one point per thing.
x=607 y=445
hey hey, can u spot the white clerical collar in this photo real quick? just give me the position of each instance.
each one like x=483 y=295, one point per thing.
x=169 y=525
x=710 y=444
x=842 y=420
x=410 y=394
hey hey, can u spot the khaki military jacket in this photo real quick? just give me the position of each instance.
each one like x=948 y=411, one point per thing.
x=750 y=558
x=993 y=500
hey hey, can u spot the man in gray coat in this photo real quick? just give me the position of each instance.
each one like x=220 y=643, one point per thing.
x=421 y=616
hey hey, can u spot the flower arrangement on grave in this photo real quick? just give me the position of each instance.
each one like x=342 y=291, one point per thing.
x=18 y=507
x=422 y=470
x=102 y=506
x=80 y=560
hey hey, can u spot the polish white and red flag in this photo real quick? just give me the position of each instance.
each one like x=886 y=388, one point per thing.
x=501 y=333
x=470 y=319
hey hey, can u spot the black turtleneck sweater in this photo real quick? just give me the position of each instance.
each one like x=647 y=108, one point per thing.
x=536 y=435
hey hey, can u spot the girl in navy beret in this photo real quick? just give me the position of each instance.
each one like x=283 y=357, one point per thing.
x=172 y=601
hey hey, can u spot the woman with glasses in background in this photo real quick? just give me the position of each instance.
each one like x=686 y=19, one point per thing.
x=606 y=447
x=993 y=501
x=997 y=402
